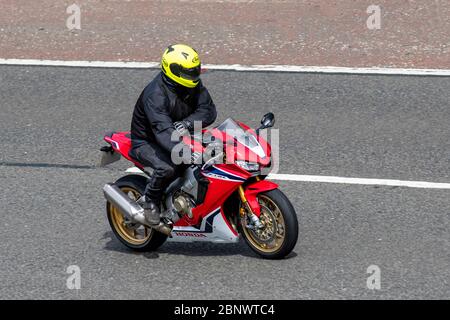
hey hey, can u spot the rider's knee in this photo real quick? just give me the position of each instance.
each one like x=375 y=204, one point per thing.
x=166 y=171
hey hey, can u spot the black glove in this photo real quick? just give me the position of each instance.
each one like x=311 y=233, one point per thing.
x=197 y=158
x=183 y=127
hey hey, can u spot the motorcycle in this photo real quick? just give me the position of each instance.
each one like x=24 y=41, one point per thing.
x=216 y=201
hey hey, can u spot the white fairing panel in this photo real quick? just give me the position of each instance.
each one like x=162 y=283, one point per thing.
x=214 y=228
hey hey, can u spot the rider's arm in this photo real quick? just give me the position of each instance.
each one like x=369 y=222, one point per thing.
x=205 y=110
x=156 y=109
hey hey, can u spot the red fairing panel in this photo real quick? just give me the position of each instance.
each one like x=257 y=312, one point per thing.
x=218 y=192
x=223 y=181
x=252 y=190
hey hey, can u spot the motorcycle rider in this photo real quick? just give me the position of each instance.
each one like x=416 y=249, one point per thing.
x=172 y=101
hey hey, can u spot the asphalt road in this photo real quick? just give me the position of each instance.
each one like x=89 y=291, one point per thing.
x=52 y=208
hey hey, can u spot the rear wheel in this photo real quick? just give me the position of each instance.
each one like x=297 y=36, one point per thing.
x=133 y=235
x=279 y=234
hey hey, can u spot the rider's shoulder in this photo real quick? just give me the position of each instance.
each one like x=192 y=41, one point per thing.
x=154 y=88
x=155 y=98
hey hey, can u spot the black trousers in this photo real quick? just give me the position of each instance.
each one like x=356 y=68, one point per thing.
x=164 y=170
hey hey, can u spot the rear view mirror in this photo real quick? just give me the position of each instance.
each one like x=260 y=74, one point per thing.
x=268 y=120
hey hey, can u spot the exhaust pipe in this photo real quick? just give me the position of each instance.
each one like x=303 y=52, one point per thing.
x=130 y=208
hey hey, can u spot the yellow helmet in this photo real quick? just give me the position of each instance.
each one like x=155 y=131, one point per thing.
x=181 y=64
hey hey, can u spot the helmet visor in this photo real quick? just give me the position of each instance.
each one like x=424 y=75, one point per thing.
x=192 y=74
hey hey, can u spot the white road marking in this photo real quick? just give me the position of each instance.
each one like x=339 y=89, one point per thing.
x=344 y=180
x=88 y=64
x=363 y=181
x=233 y=67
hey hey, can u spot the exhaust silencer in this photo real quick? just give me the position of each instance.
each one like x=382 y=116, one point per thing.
x=121 y=201
x=130 y=208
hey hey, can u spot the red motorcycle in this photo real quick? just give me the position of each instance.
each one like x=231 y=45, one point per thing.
x=218 y=201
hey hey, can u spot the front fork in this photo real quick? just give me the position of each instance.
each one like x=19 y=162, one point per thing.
x=253 y=217
x=249 y=199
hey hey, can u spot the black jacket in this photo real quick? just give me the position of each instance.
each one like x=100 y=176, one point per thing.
x=162 y=103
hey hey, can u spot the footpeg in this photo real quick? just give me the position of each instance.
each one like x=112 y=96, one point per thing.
x=152 y=217
x=165 y=228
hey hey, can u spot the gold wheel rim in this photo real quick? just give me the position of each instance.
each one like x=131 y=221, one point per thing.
x=134 y=234
x=271 y=237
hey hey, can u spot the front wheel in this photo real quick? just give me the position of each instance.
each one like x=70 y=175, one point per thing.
x=279 y=234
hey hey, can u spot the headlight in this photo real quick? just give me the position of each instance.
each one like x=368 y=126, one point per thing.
x=249 y=166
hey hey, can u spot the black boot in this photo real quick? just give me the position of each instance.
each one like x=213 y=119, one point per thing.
x=151 y=211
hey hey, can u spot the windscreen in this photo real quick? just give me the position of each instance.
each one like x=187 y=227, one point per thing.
x=233 y=129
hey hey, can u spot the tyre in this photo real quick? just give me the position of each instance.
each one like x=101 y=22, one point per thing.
x=135 y=236
x=279 y=234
